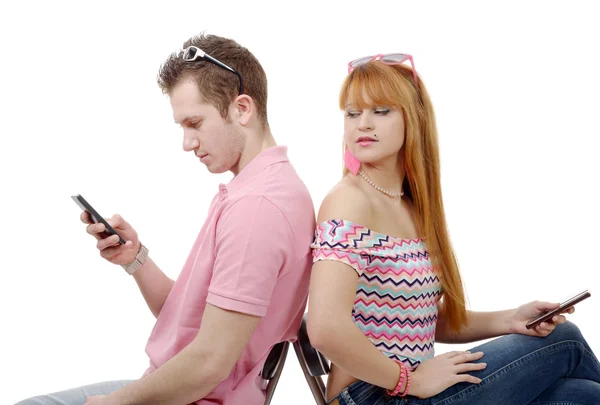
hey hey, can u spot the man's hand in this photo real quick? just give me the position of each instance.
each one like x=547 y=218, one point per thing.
x=109 y=247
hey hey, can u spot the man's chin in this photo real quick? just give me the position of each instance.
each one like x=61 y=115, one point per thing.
x=217 y=170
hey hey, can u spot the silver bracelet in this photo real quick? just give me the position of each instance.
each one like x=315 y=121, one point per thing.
x=140 y=259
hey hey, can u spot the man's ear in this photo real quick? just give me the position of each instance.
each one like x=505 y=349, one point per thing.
x=243 y=109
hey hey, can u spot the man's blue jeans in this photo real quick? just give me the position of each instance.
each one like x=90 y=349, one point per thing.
x=76 y=396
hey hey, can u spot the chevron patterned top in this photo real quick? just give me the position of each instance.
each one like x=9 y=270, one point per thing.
x=397 y=293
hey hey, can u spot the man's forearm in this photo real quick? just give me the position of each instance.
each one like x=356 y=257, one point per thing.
x=154 y=285
x=185 y=378
x=480 y=325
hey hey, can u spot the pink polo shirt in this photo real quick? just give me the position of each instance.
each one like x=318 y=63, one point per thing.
x=252 y=256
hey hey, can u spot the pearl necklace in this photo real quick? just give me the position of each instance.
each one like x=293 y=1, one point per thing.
x=388 y=193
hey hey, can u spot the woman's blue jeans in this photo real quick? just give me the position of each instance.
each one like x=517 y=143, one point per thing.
x=560 y=369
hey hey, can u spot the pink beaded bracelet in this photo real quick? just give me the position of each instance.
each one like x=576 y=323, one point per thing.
x=403 y=373
x=407 y=383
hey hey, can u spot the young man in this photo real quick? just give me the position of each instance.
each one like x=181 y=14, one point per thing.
x=245 y=284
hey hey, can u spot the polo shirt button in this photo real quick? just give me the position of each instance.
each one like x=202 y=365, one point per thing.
x=222 y=190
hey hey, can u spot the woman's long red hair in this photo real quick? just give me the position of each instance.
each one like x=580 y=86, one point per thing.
x=376 y=83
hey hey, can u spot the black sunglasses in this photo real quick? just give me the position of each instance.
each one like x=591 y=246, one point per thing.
x=192 y=53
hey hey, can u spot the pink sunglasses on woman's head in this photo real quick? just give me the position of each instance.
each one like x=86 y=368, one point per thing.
x=388 y=59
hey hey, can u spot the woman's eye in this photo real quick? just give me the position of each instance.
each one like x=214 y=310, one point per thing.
x=382 y=111
x=351 y=114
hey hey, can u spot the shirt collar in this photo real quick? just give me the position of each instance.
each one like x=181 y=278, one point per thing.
x=264 y=159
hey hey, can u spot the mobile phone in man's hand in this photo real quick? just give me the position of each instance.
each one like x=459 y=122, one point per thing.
x=96 y=218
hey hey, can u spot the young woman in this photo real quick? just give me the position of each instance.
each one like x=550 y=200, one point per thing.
x=386 y=285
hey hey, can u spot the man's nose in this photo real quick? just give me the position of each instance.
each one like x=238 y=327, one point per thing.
x=190 y=142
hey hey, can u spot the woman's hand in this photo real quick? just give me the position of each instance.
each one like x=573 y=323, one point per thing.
x=441 y=372
x=527 y=312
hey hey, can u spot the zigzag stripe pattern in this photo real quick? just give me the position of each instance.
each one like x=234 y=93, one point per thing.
x=397 y=293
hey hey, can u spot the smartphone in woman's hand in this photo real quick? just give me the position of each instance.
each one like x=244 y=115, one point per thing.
x=546 y=316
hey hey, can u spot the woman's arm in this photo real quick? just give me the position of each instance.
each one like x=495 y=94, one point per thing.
x=485 y=325
x=332 y=331
x=480 y=325
x=332 y=292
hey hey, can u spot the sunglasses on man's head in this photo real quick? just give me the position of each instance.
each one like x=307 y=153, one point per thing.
x=388 y=59
x=193 y=53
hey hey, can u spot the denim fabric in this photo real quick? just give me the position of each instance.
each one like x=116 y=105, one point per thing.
x=559 y=369
x=76 y=396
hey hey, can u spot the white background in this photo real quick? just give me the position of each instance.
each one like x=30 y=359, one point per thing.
x=515 y=86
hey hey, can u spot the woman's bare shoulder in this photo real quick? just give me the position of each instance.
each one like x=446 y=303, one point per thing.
x=346 y=201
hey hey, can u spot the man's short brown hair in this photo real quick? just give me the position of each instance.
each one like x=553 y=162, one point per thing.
x=218 y=86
